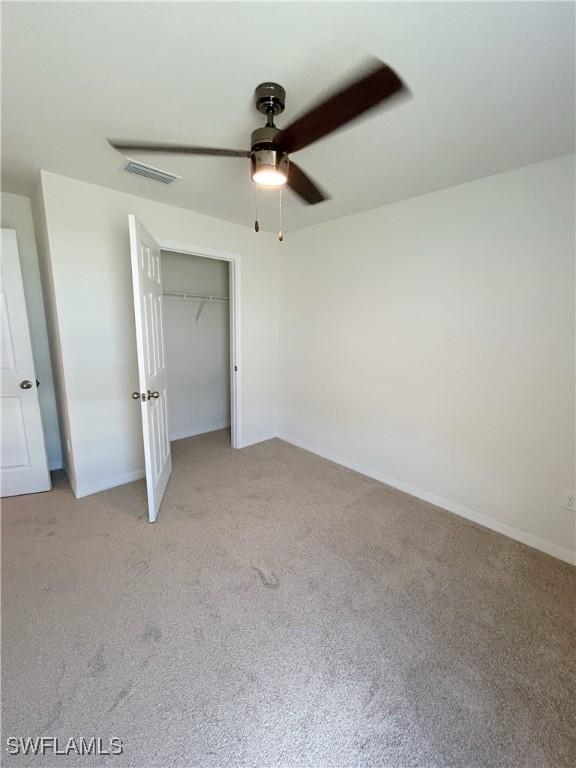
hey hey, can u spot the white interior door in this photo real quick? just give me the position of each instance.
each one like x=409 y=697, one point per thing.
x=23 y=463
x=148 y=310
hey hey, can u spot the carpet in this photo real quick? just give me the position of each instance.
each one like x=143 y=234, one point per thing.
x=283 y=612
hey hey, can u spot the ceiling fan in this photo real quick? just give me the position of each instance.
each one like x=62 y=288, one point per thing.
x=271 y=147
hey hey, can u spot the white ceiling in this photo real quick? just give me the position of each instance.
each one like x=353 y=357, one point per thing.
x=493 y=87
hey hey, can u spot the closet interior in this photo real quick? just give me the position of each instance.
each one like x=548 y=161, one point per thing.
x=197 y=339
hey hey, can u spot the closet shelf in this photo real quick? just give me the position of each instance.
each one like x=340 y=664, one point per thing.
x=194 y=296
x=201 y=297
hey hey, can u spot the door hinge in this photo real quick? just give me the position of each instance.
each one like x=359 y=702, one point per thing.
x=235 y=369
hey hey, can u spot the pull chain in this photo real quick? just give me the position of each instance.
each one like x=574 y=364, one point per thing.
x=280 y=235
x=256 y=224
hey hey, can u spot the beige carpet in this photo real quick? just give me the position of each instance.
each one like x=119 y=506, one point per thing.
x=283 y=611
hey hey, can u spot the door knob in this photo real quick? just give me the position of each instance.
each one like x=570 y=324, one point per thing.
x=155 y=395
x=135 y=395
x=25 y=384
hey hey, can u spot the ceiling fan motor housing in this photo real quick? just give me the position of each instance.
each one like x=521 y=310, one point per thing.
x=270 y=98
x=265 y=155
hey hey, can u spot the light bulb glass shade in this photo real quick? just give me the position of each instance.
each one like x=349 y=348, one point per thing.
x=269 y=166
x=269 y=177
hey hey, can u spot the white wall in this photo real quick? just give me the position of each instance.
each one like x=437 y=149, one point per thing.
x=17 y=214
x=87 y=252
x=430 y=343
x=197 y=352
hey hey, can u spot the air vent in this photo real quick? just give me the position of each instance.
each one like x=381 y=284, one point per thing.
x=155 y=174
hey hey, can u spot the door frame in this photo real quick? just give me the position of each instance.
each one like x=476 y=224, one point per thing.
x=234 y=264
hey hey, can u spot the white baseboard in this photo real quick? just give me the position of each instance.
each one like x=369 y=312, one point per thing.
x=69 y=477
x=103 y=485
x=562 y=553
x=198 y=431
x=259 y=439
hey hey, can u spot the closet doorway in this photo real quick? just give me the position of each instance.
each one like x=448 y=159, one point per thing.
x=197 y=343
x=187 y=317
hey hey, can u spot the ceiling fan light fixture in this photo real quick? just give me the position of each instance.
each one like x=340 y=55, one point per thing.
x=269 y=167
x=269 y=177
x=270 y=146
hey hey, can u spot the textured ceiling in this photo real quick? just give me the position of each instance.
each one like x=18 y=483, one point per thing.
x=493 y=87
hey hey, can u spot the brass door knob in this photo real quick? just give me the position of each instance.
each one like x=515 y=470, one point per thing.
x=135 y=395
x=155 y=395
x=26 y=384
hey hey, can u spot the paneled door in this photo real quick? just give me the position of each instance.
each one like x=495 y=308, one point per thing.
x=148 y=311
x=23 y=463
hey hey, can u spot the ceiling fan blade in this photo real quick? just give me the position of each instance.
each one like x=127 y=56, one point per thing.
x=180 y=149
x=304 y=187
x=376 y=85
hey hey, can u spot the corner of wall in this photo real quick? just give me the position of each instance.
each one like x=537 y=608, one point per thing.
x=47 y=278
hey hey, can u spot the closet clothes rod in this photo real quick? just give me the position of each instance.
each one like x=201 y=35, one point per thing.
x=195 y=296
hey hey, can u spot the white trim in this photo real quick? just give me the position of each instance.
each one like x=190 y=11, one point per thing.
x=235 y=327
x=69 y=476
x=198 y=431
x=104 y=485
x=562 y=553
x=259 y=439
